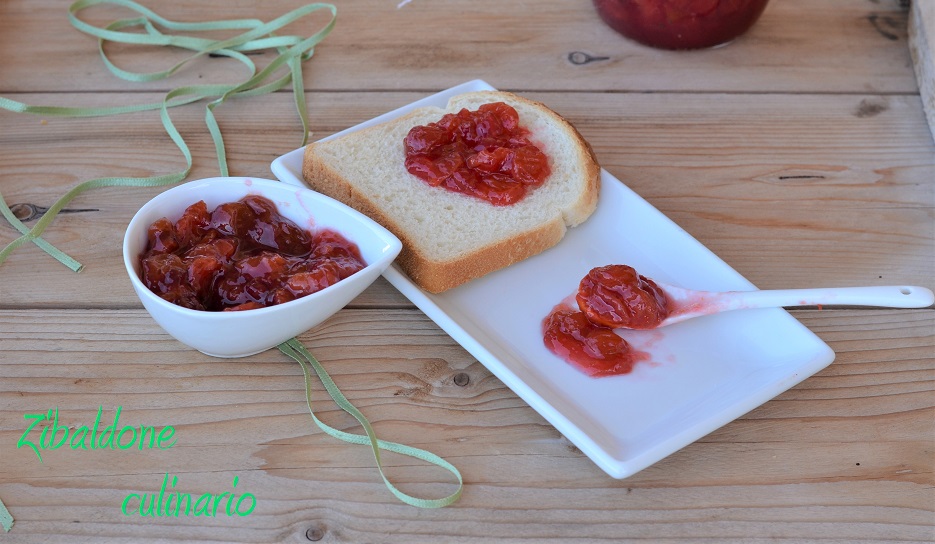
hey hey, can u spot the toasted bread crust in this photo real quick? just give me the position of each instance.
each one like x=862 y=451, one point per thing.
x=435 y=275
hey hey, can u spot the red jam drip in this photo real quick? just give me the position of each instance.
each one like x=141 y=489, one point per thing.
x=484 y=154
x=608 y=297
x=616 y=296
x=680 y=24
x=241 y=256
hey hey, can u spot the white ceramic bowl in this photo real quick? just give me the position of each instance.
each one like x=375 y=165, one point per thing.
x=238 y=334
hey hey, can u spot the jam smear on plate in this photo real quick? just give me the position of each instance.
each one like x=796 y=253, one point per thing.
x=595 y=350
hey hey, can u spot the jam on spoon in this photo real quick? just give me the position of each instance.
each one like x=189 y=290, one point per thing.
x=617 y=297
x=608 y=297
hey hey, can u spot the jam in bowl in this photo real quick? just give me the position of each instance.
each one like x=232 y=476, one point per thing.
x=185 y=259
x=680 y=24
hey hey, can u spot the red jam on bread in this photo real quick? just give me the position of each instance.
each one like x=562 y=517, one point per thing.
x=483 y=153
x=608 y=297
x=241 y=256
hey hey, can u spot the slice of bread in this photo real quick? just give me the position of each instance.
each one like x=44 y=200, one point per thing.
x=449 y=238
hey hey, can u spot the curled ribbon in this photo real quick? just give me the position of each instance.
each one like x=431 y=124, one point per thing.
x=257 y=35
x=294 y=349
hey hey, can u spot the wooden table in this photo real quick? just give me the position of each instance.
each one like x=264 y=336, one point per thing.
x=799 y=154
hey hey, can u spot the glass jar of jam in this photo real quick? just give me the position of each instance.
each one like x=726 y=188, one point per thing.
x=680 y=24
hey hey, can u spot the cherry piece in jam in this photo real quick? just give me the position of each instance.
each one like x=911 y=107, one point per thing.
x=616 y=296
x=595 y=350
x=482 y=153
x=608 y=297
x=241 y=256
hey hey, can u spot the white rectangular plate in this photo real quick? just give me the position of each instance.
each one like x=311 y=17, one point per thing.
x=704 y=373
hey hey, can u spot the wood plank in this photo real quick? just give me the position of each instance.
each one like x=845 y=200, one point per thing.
x=844 y=456
x=799 y=154
x=797 y=46
x=42 y=158
x=791 y=190
x=922 y=50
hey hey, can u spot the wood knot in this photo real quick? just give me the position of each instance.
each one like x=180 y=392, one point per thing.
x=315 y=533
x=461 y=379
x=886 y=26
x=579 y=58
x=870 y=108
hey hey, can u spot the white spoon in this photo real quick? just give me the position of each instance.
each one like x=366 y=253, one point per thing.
x=688 y=304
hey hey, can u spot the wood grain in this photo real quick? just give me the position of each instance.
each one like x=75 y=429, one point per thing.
x=796 y=46
x=799 y=154
x=791 y=190
x=843 y=457
x=922 y=51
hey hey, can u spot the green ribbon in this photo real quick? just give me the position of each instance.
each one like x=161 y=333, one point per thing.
x=294 y=349
x=292 y=51
x=258 y=35
x=6 y=520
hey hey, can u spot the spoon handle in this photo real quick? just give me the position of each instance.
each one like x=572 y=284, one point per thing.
x=891 y=296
